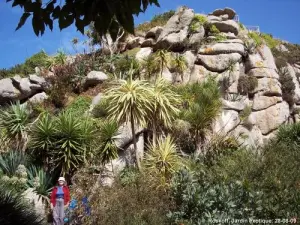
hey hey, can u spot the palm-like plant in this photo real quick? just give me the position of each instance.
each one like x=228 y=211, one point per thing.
x=179 y=64
x=41 y=182
x=164 y=107
x=42 y=138
x=129 y=102
x=10 y=161
x=14 y=210
x=108 y=147
x=163 y=59
x=14 y=121
x=60 y=58
x=203 y=109
x=72 y=143
x=163 y=158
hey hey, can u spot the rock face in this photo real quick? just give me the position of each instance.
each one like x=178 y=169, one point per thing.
x=227 y=26
x=8 y=92
x=227 y=11
x=218 y=63
x=175 y=31
x=38 y=98
x=94 y=78
x=223 y=48
x=271 y=118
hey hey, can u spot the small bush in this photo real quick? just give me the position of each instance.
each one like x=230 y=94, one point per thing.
x=197 y=22
x=79 y=106
x=157 y=20
x=100 y=110
x=287 y=86
x=270 y=41
x=256 y=38
x=214 y=30
x=247 y=84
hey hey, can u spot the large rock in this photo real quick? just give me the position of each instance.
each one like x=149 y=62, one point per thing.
x=291 y=71
x=226 y=122
x=263 y=72
x=38 y=98
x=223 y=48
x=226 y=26
x=134 y=42
x=143 y=53
x=94 y=78
x=271 y=118
x=167 y=75
x=124 y=137
x=268 y=86
x=199 y=74
x=261 y=102
x=236 y=106
x=227 y=11
x=196 y=38
x=175 y=32
x=35 y=79
x=218 y=63
x=213 y=18
x=148 y=43
x=262 y=59
x=26 y=88
x=154 y=32
x=247 y=138
x=8 y=92
x=228 y=80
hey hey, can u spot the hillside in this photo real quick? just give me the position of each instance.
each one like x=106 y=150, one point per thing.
x=195 y=117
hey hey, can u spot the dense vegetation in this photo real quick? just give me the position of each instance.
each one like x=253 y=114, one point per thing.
x=187 y=175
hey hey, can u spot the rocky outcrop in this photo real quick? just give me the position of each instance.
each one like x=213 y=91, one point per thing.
x=38 y=98
x=269 y=87
x=154 y=32
x=8 y=92
x=227 y=121
x=143 y=53
x=227 y=11
x=175 y=32
x=261 y=102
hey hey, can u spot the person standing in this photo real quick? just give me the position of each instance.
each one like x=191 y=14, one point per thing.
x=59 y=200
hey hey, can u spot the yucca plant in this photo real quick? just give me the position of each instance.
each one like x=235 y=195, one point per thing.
x=14 y=210
x=203 y=109
x=163 y=59
x=130 y=102
x=108 y=148
x=42 y=138
x=60 y=58
x=179 y=65
x=41 y=182
x=163 y=158
x=72 y=142
x=15 y=120
x=164 y=106
x=10 y=161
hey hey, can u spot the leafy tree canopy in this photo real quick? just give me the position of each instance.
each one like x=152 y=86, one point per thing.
x=107 y=15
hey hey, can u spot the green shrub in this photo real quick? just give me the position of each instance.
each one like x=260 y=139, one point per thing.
x=197 y=22
x=79 y=106
x=270 y=41
x=214 y=30
x=247 y=84
x=199 y=201
x=100 y=110
x=287 y=86
x=157 y=20
x=136 y=199
x=256 y=38
x=10 y=161
x=292 y=56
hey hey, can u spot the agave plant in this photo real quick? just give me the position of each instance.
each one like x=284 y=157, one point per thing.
x=41 y=182
x=10 y=161
x=42 y=138
x=14 y=210
x=14 y=121
x=72 y=141
x=108 y=147
x=163 y=59
x=179 y=64
x=130 y=102
x=163 y=158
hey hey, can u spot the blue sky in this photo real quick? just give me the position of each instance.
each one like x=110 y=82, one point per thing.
x=278 y=17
